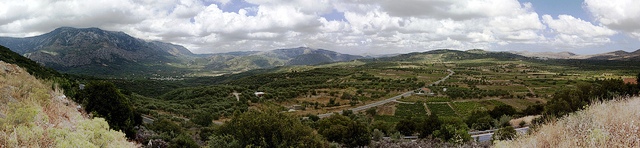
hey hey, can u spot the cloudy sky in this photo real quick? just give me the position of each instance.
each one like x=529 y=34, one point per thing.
x=367 y=27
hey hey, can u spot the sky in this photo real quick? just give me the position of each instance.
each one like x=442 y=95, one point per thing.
x=365 y=27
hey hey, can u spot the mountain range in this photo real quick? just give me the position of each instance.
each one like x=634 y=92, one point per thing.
x=97 y=52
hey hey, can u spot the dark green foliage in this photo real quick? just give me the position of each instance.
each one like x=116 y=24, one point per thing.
x=371 y=111
x=223 y=141
x=347 y=113
x=313 y=117
x=385 y=127
x=201 y=104
x=505 y=133
x=102 y=99
x=357 y=134
x=533 y=110
x=270 y=128
x=453 y=130
x=406 y=126
x=341 y=129
x=429 y=125
x=564 y=102
x=638 y=80
x=203 y=119
x=183 y=141
x=502 y=110
x=466 y=93
x=479 y=120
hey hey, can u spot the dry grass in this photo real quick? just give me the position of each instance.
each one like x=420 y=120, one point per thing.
x=604 y=124
x=527 y=120
x=32 y=114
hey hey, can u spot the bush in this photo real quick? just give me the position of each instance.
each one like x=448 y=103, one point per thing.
x=429 y=125
x=102 y=99
x=377 y=135
x=479 y=120
x=505 y=133
x=406 y=126
x=270 y=128
x=500 y=110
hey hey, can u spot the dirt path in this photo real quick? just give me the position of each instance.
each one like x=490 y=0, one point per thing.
x=530 y=90
x=427 y=108
x=454 y=109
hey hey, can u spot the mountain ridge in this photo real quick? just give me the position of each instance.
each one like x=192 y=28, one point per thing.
x=93 y=51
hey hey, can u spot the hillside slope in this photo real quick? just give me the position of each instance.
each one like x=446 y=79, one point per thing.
x=243 y=61
x=608 y=124
x=32 y=67
x=32 y=114
x=91 y=50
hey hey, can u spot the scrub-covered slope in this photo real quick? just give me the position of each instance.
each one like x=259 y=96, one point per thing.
x=34 y=113
x=608 y=124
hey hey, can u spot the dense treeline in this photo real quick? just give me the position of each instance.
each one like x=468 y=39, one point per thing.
x=200 y=103
x=572 y=99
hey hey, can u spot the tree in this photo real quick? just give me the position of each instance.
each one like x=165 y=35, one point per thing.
x=356 y=135
x=479 y=120
x=377 y=135
x=533 y=110
x=406 y=126
x=270 y=128
x=102 y=99
x=452 y=130
x=638 y=80
x=372 y=111
x=502 y=110
x=429 y=125
x=565 y=101
x=341 y=129
x=452 y=133
x=226 y=141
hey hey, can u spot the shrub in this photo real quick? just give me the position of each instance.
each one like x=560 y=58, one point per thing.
x=103 y=100
x=505 y=133
x=270 y=128
x=500 y=110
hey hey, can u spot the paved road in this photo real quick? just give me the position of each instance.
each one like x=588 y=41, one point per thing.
x=147 y=119
x=385 y=101
x=487 y=136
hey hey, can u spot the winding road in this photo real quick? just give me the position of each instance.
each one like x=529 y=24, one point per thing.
x=385 y=101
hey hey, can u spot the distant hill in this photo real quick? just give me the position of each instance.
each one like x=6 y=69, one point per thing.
x=615 y=55
x=94 y=51
x=242 y=61
x=549 y=55
x=443 y=55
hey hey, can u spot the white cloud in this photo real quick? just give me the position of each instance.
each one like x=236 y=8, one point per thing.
x=622 y=15
x=575 y=32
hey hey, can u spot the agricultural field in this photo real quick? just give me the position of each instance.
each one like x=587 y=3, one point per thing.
x=441 y=109
x=465 y=108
